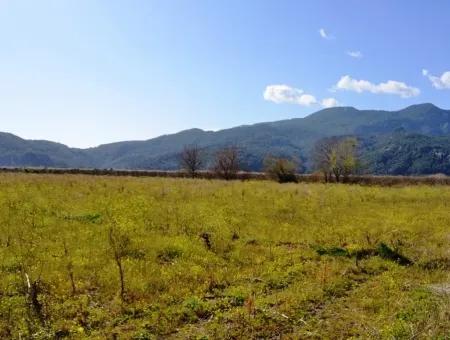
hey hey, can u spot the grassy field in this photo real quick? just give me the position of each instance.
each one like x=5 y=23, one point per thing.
x=204 y=259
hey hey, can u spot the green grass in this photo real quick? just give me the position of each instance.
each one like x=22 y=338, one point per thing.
x=213 y=259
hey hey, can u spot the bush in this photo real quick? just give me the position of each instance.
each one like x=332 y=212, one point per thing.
x=195 y=309
x=169 y=254
x=282 y=170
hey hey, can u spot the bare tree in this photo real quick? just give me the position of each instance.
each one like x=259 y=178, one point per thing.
x=120 y=248
x=282 y=170
x=191 y=159
x=69 y=267
x=336 y=156
x=226 y=163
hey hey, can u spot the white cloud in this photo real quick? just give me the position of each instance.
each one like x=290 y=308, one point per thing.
x=329 y=102
x=390 y=87
x=286 y=94
x=441 y=83
x=282 y=94
x=307 y=100
x=324 y=34
x=355 y=54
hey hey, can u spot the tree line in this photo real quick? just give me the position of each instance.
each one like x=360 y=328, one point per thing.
x=335 y=158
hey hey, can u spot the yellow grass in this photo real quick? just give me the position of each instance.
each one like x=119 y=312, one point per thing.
x=213 y=259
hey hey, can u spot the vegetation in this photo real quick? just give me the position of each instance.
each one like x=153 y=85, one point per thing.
x=226 y=163
x=146 y=258
x=336 y=157
x=282 y=170
x=191 y=160
x=436 y=179
x=408 y=154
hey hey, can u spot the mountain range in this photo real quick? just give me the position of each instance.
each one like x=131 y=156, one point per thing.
x=415 y=140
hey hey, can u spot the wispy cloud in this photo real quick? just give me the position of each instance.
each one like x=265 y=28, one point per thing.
x=324 y=34
x=287 y=94
x=390 y=87
x=355 y=54
x=440 y=83
x=329 y=102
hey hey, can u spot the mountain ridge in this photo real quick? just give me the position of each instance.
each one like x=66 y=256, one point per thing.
x=289 y=137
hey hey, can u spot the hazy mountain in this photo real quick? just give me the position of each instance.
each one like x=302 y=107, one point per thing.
x=293 y=137
x=15 y=151
x=408 y=154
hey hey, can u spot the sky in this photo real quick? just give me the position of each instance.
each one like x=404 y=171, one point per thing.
x=89 y=72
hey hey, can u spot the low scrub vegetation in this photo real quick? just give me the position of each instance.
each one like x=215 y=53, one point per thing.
x=150 y=258
x=282 y=170
x=437 y=179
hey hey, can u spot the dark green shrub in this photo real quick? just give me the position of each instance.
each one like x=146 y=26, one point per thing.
x=169 y=254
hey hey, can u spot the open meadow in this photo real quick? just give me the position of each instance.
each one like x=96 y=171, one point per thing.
x=151 y=258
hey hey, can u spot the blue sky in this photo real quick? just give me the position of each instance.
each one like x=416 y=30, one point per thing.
x=88 y=72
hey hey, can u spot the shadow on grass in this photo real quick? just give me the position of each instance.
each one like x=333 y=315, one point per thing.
x=382 y=250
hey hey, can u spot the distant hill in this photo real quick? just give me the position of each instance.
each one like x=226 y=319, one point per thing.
x=15 y=151
x=381 y=133
x=409 y=154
